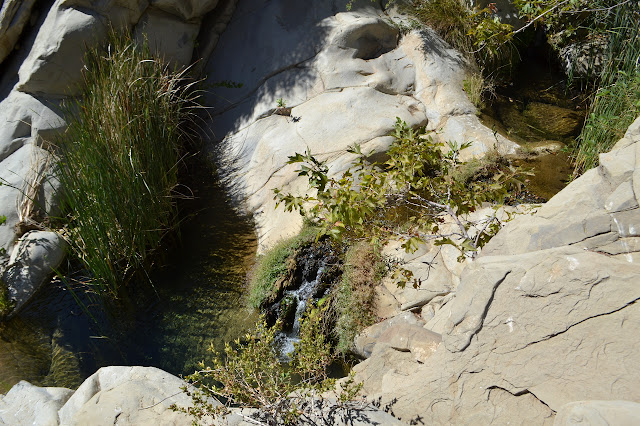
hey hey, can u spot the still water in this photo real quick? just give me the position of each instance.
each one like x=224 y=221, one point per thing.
x=197 y=299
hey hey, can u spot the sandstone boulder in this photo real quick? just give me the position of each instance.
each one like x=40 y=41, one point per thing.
x=28 y=189
x=26 y=404
x=346 y=77
x=128 y=396
x=169 y=37
x=34 y=259
x=54 y=64
x=552 y=324
x=366 y=340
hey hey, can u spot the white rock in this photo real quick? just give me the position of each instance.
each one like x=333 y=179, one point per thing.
x=598 y=413
x=168 y=37
x=26 y=404
x=121 y=14
x=23 y=116
x=55 y=61
x=346 y=76
x=127 y=396
x=33 y=260
x=19 y=172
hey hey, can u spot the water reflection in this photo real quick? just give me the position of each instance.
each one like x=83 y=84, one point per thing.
x=197 y=299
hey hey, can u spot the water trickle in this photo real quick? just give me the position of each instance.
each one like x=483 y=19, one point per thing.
x=300 y=297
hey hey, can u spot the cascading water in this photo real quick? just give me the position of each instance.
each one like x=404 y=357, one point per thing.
x=300 y=298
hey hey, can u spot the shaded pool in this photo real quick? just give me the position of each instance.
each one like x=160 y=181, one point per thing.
x=197 y=299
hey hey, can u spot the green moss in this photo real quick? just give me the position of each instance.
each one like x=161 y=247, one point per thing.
x=354 y=298
x=273 y=265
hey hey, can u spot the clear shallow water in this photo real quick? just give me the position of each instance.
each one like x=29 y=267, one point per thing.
x=197 y=299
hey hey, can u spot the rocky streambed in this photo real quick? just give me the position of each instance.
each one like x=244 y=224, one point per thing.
x=539 y=329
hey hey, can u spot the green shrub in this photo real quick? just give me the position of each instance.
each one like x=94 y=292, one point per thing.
x=419 y=182
x=251 y=374
x=274 y=265
x=119 y=160
x=6 y=304
x=617 y=100
x=354 y=297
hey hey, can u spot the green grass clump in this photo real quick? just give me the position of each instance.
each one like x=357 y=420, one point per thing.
x=617 y=101
x=6 y=304
x=273 y=265
x=354 y=298
x=119 y=159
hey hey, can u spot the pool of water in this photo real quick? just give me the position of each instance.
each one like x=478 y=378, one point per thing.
x=536 y=109
x=196 y=300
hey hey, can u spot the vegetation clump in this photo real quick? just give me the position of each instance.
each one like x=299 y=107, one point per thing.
x=6 y=304
x=274 y=265
x=119 y=159
x=251 y=374
x=418 y=185
x=354 y=297
x=616 y=102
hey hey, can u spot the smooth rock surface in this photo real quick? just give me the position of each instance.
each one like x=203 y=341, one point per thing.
x=34 y=259
x=126 y=396
x=346 y=77
x=366 y=340
x=26 y=404
x=54 y=64
x=168 y=37
x=598 y=413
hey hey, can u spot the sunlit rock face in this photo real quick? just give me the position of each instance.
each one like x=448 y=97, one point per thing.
x=544 y=318
x=345 y=76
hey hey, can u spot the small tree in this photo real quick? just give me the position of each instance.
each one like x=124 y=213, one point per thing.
x=420 y=182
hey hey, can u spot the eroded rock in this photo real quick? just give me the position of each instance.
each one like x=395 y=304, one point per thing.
x=346 y=77
x=552 y=324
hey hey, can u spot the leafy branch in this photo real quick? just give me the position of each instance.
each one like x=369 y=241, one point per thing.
x=417 y=195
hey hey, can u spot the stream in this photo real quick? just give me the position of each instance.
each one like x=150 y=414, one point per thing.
x=197 y=299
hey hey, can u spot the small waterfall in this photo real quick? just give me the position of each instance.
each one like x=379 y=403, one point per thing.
x=300 y=298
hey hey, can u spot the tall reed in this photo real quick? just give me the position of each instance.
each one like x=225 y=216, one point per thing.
x=616 y=102
x=119 y=160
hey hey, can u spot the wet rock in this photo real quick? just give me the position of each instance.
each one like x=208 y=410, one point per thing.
x=565 y=122
x=26 y=404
